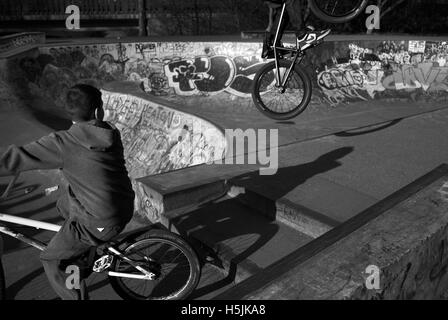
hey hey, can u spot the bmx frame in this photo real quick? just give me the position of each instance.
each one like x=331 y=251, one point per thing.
x=146 y=275
x=296 y=52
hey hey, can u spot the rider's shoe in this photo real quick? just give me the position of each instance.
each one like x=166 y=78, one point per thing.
x=310 y=37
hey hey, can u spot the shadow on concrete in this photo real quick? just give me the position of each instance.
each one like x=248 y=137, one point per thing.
x=286 y=179
x=219 y=223
x=13 y=289
x=216 y=225
x=358 y=132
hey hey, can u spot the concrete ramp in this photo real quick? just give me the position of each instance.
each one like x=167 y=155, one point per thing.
x=396 y=249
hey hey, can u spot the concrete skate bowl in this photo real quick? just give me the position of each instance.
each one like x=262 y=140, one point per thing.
x=159 y=92
x=160 y=139
x=156 y=138
x=210 y=79
x=214 y=78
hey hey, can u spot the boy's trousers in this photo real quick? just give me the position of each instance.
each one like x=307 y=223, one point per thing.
x=66 y=256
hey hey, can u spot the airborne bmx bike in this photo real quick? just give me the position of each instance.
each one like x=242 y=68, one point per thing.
x=147 y=264
x=281 y=88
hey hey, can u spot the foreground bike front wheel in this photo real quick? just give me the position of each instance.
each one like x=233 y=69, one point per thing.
x=281 y=103
x=337 y=11
x=164 y=253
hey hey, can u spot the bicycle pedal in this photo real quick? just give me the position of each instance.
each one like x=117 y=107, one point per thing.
x=103 y=263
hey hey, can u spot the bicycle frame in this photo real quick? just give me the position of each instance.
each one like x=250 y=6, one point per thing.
x=146 y=275
x=297 y=53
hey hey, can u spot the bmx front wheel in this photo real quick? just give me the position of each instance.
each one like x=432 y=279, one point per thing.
x=281 y=103
x=337 y=11
x=166 y=254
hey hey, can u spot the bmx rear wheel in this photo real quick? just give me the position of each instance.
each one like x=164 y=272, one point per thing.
x=175 y=262
x=275 y=102
x=337 y=11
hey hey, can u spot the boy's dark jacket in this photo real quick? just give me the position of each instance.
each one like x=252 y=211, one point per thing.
x=90 y=155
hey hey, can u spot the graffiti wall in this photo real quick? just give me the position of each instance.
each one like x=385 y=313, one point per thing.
x=413 y=69
x=158 y=139
x=163 y=69
x=343 y=71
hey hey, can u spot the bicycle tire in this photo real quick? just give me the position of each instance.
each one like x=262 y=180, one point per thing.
x=331 y=17
x=259 y=96
x=156 y=236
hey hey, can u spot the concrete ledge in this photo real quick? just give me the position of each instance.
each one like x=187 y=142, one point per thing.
x=297 y=217
x=175 y=201
x=405 y=236
x=178 y=192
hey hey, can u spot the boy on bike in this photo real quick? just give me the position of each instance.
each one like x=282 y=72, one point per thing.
x=306 y=35
x=98 y=200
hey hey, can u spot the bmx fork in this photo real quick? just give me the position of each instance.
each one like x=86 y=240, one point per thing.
x=281 y=82
x=288 y=73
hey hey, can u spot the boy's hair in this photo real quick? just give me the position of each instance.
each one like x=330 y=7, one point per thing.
x=82 y=100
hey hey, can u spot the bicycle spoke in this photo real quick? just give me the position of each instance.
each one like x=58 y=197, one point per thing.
x=284 y=102
x=172 y=267
x=277 y=101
